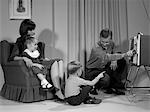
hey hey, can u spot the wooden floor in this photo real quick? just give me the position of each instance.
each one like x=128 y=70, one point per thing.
x=110 y=103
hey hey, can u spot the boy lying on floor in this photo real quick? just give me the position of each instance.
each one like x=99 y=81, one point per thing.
x=77 y=89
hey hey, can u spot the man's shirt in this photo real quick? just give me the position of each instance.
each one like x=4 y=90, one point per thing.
x=100 y=57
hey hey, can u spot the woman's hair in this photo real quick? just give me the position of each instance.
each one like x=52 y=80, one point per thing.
x=26 y=25
x=73 y=66
x=105 y=33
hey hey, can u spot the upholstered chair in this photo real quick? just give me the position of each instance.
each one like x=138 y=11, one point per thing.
x=20 y=84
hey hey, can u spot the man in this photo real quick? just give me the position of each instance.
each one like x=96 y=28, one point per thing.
x=104 y=58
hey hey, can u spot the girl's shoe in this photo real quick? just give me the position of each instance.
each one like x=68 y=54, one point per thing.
x=46 y=86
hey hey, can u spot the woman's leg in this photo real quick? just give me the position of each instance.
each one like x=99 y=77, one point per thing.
x=55 y=75
x=61 y=74
x=61 y=69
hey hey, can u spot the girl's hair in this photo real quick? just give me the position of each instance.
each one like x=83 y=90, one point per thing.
x=73 y=66
x=105 y=33
x=29 y=40
x=26 y=25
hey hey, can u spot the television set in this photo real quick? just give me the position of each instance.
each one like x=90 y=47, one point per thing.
x=141 y=44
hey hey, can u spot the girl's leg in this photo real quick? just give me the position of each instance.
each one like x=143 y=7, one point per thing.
x=56 y=79
x=44 y=82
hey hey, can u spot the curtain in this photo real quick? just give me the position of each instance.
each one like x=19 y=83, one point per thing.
x=86 y=18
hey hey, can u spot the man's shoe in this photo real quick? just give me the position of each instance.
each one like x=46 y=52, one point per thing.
x=93 y=101
x=109 y=91
x=119 y=92
x=115 y=91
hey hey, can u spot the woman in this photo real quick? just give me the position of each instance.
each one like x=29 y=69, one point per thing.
x=27 y=28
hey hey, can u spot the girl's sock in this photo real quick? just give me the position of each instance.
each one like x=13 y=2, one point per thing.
x=45 y=84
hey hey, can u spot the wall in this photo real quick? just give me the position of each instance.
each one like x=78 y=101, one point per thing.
x=51 y=19
x=138 y=21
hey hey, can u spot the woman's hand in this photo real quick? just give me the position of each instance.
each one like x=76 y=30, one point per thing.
x=39 y=65
x=28 y=61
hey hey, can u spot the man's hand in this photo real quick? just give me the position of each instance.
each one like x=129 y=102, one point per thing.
x=113 y=65
x=28 y=61
x=130 y=53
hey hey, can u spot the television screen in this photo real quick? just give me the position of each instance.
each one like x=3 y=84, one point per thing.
x=141 y=45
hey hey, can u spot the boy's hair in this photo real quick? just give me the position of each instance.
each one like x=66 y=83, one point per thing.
x=73 y=66
x=105 y=33
x=29 y=40
x=26 y=25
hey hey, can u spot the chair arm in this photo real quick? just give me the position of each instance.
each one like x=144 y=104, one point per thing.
x=15 y=63
x=16 y=72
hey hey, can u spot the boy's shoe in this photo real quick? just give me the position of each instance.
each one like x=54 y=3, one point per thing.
x=94 y=92
x=93 y=101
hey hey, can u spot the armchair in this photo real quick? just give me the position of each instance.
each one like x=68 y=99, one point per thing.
x=20 y=82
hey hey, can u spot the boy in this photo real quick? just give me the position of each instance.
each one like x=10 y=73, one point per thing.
x=77 y=89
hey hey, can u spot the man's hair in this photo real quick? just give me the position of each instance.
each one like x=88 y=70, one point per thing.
x=73 y=66
x=26 y=25
x=105 y=33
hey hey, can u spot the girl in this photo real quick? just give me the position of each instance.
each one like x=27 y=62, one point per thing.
x=38 y=68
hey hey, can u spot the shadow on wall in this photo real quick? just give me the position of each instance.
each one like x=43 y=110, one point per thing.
x=123 y=47
x=50 y=39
